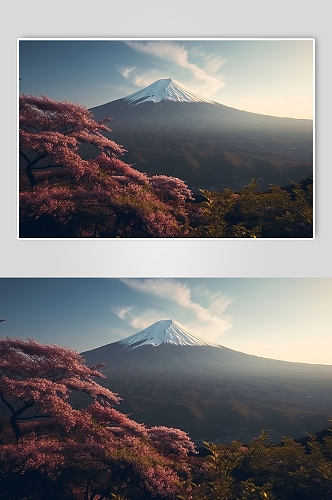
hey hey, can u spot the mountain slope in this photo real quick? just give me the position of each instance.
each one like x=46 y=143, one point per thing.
x=168 y=130
x=168 y=377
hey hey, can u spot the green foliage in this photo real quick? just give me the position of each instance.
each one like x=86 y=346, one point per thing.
x=221 y=462
x=250 y=491
x=277 y=213
x=216 y=206
x=290 y=470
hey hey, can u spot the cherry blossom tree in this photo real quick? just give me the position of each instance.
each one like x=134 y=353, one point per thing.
x=76 y=177
x=91 y=448
x=36 y=381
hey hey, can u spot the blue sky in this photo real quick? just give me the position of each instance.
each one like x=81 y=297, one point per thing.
x=288 y=319
x=269 y=77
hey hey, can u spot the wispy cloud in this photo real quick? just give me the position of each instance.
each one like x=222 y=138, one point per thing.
x=204 y=79
x=208 y=321
x=214 y=64
x=136 y=319
x=144 y=79
x=125 y=71
x=139 y=78
x=122 y=312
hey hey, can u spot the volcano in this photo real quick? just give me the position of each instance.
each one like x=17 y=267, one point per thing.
x=167 y=129
x=165 y=331
x=165 y=89
x=168 y=376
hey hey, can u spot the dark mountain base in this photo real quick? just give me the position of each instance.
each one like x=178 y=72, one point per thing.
x=211 y=146
x=226 y=410
x=216 y=393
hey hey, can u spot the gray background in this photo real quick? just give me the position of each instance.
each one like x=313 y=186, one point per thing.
x=246 y=18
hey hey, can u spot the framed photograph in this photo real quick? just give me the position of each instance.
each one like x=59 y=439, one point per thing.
x=204 y=138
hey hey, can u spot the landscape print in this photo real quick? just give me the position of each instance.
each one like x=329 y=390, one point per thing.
x=166 y=138
x=151 y=389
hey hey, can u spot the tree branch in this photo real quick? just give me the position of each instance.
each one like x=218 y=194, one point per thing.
x=6 y=403
x=25 y=156
x=48 y=166
x=34 y=417
x=14 y=420
x=36 y=160
x=30 y=167
x=21 y=410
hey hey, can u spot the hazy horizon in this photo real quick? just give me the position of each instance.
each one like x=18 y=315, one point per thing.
x=272 y=77
x=287 y=319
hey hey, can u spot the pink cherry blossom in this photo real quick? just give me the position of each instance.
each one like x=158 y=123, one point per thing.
x=77 y=177
x=51 y=438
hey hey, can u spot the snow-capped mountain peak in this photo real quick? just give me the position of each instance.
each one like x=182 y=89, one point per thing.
x=166 y=331
x=165 y=89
